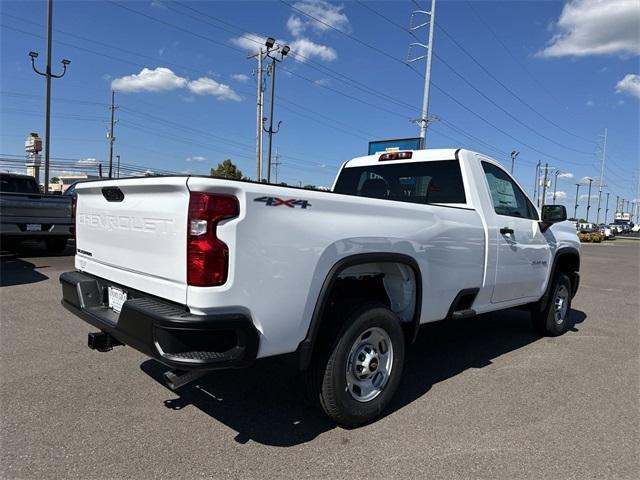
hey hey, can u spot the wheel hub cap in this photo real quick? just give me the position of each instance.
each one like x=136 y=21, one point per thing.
x=561 y=304
x=369 y=364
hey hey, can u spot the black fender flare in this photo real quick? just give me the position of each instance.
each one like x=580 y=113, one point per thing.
x=552 y=271
x=306 y=346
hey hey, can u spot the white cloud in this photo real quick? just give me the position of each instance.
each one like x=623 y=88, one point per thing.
x=586 y=196
x=559 y=195
x=630 y=84
x=163 y=79
x=322 y=82
x=302 y=49
x=295 y=25
x=157 y=80
x=585 y=180
x=196 y=158
x=208 y=86
x=324 y=11
x=158 y=4
x=306 y=49
x=565 y=176
x=249 y=41
x=88 y=161
x=590 y=103
x=240 y=77
x=596 y=27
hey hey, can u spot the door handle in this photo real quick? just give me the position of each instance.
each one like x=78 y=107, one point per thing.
x=506 y=230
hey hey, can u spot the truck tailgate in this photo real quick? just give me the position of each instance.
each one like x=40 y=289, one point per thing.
x=24 y=207
x=134 y=233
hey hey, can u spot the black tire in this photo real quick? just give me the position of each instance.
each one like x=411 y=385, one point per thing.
x=327 y=376
x=56 y=245
x=553 y=319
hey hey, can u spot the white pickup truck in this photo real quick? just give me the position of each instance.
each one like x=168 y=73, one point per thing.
x=203 y=273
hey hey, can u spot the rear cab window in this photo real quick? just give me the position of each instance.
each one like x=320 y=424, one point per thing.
x=429 y=182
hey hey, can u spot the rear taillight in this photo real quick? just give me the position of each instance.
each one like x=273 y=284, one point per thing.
x=74 y=201
x=207 y=255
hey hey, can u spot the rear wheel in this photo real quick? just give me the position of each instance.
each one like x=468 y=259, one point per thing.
x=553 y=319
x=56 y=245
x=357 y=370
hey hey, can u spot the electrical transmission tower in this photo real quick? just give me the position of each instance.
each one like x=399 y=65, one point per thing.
x=427 y=53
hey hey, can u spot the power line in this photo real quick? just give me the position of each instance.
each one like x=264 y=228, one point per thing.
x=505 y=87
x=492 y=76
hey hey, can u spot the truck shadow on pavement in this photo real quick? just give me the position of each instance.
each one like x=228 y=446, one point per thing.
x=263 y=403
x=14 y=271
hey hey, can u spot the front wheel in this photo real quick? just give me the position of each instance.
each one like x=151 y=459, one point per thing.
x=359 y=368
x=553 y=320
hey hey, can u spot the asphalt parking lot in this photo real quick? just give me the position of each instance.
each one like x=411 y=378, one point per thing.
x=480 y=398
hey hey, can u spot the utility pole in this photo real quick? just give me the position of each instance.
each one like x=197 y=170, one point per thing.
x=111 y=137
x=617 y=203
x=259 y=112
x=604 y=155
x=424 y=119
x=537 y=181
x=555 y=185
x=589 y=198
x=276 y=164
x=48 y=75
x=271 y=46
x=575 y=210
x=118 y=168
x=606 y=212
x=544 y=185
x=514 y=155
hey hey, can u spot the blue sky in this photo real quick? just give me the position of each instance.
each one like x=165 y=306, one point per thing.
x=558 y=74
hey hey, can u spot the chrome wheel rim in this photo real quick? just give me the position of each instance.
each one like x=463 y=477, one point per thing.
x=561 y=304
x=369 y=364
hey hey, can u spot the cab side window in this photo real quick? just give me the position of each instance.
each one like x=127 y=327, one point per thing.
x=507 y=197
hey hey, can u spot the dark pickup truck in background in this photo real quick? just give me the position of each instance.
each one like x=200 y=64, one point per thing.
x=28 y=214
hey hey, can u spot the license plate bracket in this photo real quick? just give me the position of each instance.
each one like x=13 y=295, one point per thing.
x=116 y=297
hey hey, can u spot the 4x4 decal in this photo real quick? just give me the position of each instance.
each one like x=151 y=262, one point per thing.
x=276 y=202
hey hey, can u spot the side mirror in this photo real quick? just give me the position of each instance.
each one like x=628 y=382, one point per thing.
x=552 y=214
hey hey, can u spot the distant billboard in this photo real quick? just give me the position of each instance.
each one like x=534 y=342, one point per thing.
x=622 y=216
x=394 y=145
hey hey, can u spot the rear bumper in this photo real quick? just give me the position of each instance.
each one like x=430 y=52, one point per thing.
x=163 y=330
x=19 y=230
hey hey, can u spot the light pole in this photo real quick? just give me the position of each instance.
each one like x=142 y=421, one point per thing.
x=544 y=185
x=48 y=75
x=514 y=155
x=555 y=185
x=606 y=212
x=271 y=46
x=575 y=210
x=589 y=199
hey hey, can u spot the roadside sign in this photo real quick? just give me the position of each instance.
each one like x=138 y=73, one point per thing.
x=394 y=145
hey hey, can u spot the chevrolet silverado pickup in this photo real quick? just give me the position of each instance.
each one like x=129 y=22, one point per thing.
x=27 y=214
x=203 y=273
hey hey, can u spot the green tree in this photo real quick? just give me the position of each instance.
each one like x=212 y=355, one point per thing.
x=54 y=180
x=227 y=169
x=311 y=187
